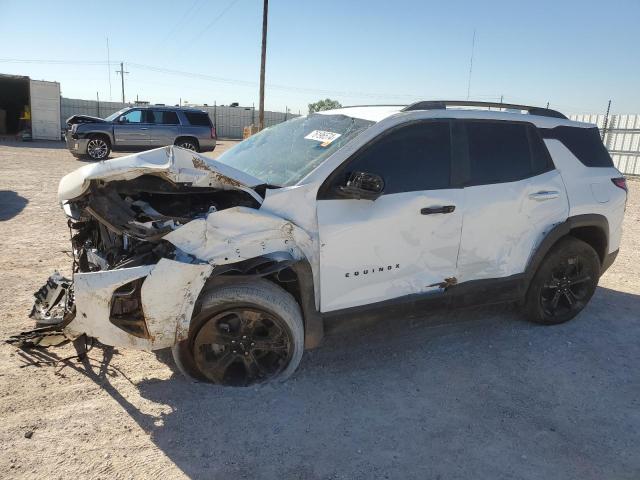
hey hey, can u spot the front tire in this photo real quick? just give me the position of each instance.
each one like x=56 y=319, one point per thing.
x=564 y=283
x=98 y=148
x=243 y=333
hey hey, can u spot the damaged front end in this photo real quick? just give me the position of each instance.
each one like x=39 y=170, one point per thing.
x=147 y=231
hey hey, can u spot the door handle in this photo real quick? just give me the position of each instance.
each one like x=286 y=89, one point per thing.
x=544 y=195
x=432 y=210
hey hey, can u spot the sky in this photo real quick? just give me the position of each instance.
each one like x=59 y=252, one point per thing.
x=576 y=55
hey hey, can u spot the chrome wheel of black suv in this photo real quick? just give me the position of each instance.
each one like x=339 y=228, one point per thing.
x=98 y=148
x=564 y=283
x=188 y=143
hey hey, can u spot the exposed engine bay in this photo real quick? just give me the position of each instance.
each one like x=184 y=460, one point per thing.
x=147 y=230
x=121 y=224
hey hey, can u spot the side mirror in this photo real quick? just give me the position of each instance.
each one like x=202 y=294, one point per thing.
x=363 y=185
x=122 y=119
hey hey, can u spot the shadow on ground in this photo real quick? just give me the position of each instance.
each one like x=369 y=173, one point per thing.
x=11 y=204
x=476 y=393
x=48 y=144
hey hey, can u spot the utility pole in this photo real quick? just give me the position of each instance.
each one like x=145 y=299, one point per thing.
x=122 y=72
x=265 y=11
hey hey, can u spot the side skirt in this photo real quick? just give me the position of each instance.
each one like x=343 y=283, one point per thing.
x=473 y=293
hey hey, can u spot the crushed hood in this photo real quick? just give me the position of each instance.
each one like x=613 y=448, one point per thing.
x=74 y=119
x=175 y=164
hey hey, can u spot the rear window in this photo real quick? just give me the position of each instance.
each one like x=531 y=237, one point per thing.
x=584 y=143
x=198 y=118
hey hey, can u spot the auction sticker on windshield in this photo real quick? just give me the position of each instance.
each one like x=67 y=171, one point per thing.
x=322 y=136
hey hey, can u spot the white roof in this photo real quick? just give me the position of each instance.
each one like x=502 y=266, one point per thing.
x=376 y=113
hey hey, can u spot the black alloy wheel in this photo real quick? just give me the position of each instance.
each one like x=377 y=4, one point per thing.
x=564 y=283
x=242 y=346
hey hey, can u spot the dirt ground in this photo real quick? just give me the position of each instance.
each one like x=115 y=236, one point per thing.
x=469 y=394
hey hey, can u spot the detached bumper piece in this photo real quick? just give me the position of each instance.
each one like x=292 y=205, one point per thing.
x=53 y=310
x=53 y=301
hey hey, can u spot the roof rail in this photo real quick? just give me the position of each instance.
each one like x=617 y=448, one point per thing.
x=443 y=104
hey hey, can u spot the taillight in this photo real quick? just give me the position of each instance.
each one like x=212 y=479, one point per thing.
x=620 y=182
x=213 y=132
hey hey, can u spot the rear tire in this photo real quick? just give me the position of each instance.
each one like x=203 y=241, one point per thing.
x=243 y=333
x=98 y=147
x=188 y=143
x=564 y=283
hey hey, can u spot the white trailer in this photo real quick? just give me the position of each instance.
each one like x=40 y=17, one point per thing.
x=27 y=104
x=45 y=109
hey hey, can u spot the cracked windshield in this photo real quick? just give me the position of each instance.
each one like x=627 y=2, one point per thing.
x=285 y=153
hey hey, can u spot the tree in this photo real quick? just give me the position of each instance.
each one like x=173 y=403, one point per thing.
x=326 y=104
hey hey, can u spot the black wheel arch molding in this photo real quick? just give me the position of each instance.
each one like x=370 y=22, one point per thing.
x=90 y=133
x=591 y=225
x=293 y=275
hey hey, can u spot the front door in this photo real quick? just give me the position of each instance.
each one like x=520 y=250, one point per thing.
x=405 y=241
x=132 y=130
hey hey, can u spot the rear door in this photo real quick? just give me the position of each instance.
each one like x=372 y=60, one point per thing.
x=131 y=130
x=406 y=241
x=164 y=128
x=513 y=196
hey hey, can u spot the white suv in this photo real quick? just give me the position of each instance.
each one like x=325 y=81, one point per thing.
x=236 y=263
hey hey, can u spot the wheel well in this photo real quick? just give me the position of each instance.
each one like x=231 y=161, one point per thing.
x=104 y=136
x=298 y=281
x=295 y=278
x=593 y=236
x=187 y=137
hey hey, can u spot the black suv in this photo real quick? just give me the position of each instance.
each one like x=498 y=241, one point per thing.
x=140 y=128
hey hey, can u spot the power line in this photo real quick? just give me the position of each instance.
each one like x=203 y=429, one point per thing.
x=248 y=83
x=185 y=16
x=212 y=78
x=214 y=21
x=56 y=62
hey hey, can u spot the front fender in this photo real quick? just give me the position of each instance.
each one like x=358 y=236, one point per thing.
x=108 y=131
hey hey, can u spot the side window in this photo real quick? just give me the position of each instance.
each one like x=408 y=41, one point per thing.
x=163 y=117
x=410 y=158
x=133 y=116
x=198 y=119
x=498 y=152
